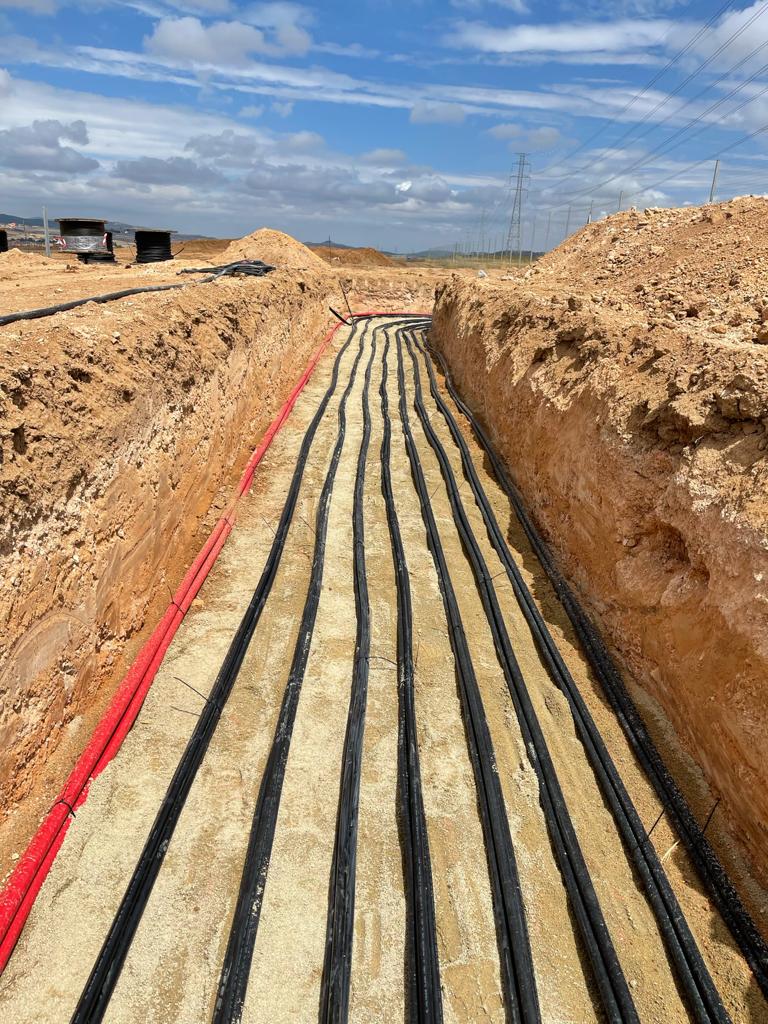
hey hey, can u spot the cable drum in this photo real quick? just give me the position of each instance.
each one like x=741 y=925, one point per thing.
x=153 y=246
x=83 y=235
x=3 y=241
x=87 y=238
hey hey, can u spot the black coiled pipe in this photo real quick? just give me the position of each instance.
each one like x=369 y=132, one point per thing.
x=153 y=246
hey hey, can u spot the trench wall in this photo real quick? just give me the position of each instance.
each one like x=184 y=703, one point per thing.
x=122 y=428
x=643 y=461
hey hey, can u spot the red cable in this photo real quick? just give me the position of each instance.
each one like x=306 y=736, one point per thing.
x=18 y=894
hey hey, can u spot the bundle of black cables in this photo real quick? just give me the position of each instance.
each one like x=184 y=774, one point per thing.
x=250 y=268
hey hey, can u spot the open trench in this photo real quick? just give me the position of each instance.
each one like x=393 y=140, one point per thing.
x=397 y=815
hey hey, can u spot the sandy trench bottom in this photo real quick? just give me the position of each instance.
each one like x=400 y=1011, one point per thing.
x=172 y=970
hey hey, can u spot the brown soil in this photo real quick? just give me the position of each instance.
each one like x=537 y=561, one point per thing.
x=171 y=973
x=365 y=257
x=276 y=248
x=621 y=380
x=120 y=441
x=637 y=431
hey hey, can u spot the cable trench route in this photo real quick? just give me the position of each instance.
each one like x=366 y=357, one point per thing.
x=373 y=340
x=608 y=974
x=518 y=978
x=423 y=969
x=334 y=990
x=98 y=990
x=703 y=998
x=714 y=877
x=236 y=968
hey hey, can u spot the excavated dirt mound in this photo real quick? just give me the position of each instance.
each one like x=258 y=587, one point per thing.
x=704 y=266
x=365 y=257
x=15 y=263
x=121 y=428
x=274 y=247
x=625 y=382
x=202 y=248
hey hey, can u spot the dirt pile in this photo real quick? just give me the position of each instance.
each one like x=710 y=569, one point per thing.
x=621 y=380
x=700 y=268
x=202 y=248
x=365 y=257
x=274 y=247
x=16 y=263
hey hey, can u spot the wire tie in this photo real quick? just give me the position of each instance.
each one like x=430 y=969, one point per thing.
x=184 y=711
x=710 y=817
x=192 y=688
x=67 y=804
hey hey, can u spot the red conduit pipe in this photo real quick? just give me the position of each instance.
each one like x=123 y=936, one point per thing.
x=20 y=891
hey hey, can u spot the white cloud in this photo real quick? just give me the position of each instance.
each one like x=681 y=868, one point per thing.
x=188 y=40
x=272 y=29
x=543 y=138
x=251 y=112
x=565 y=37
x=284 y=109
x=303 y=142
x=32 y=6
x=437 y=113
x=532 y=139
x=505 y=132
x=38 y=147
x=384 y=157
x=5 y=83
x=286 y=21
x=518 y=6
x=175 y=170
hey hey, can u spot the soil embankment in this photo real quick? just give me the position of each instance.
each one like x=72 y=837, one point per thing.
x=123 y=428
x=625 y=381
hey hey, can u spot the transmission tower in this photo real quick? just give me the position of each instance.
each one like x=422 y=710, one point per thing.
x=515 y=233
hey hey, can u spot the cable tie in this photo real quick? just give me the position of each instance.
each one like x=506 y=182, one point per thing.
x=67 y=804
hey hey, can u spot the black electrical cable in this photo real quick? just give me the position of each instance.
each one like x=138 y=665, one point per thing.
x=704 y=858
x=517 y=973
x=425 y=1004
x=105 y=973
x=236 y=967
x=252 y=268
x=337 y=964
x=703 y=998
x=37 y=314
x=229 y=270
x=608 y=974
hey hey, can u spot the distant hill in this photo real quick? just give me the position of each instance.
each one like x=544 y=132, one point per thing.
x=324 y=245
x=12 y=218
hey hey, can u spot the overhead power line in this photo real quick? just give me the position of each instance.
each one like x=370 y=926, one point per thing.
x=664 y=147
x=702 y=31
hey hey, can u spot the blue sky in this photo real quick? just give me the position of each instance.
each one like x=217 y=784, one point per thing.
x=386 y=123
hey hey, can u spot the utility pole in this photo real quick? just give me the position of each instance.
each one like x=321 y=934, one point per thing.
x=568 y=223
x=533 y=239
x=621 y=201
x=47 y=232
x=549 y=225
x=591 y=208
x=714 y=181
x=515 y=233
x=482 y=232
